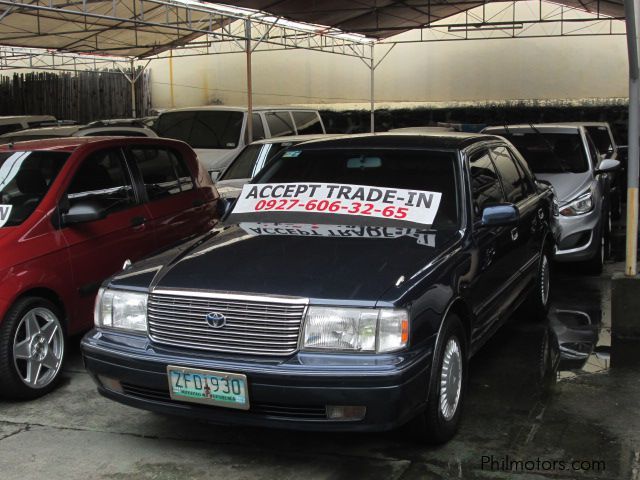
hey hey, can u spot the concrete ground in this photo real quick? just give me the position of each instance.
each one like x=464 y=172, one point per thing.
x=538 y=393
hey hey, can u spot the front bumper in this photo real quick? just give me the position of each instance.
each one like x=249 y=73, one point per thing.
x=579 y=237
x=284 y=393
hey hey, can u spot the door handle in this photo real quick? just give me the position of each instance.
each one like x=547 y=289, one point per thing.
x=137 y=221
x=514 y=233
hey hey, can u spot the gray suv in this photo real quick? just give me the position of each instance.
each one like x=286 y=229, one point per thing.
x=566 y=157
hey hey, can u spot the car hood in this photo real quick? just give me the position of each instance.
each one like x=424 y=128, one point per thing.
x=567 y=186
x=325 y=263
x=215 y=159
x=231 y=188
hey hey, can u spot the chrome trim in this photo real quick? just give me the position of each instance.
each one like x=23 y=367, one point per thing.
x=560 y=253
x=231 y=296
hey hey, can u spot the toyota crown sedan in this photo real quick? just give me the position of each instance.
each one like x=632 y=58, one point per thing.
x=345 y=290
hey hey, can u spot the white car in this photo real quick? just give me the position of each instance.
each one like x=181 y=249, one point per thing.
x=76 y=131
x=15 y=123
x=217 y=134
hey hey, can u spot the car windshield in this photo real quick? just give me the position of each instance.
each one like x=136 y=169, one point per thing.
x=393 y=181
x=602 y=139
x=551 y=152
x=216 y=129
x=25 y=178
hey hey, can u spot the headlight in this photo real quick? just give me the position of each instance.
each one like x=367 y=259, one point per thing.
x=120 y=309
x=579 y=206
x=355 y=329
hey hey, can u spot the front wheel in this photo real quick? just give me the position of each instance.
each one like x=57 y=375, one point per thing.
x=538 y=301
x=595 y=264
x=439 y=422
x=32 y=344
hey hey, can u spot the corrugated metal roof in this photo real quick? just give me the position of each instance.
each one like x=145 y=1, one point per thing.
x=384 y=18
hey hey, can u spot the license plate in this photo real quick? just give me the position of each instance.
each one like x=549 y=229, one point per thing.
x=208 y=387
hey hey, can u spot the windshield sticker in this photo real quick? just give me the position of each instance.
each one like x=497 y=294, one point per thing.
x=415 y=206
x=5 y=212
x=422 y=236
x=292 y=154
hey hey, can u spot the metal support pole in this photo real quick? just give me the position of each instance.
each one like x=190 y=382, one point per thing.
x=173 y=103
x=373 y=107
x=132 y=81
x=247 y=33
x=632 y=12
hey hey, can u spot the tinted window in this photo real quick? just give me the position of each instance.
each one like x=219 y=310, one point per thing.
x=551 y=152
x=307 y=123
x=410 y=169
x=202 y=129
x=512 y=180
x=12 y=127
x=602 y=140
x=242 y=166
x=103 y=179
x=258 y=128
x=279 y=124
x=162 y=172
x=593 y=151
x=25 y=178
x=485 y=184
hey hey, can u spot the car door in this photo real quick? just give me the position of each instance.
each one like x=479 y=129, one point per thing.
x=97 y=249
x=176 y=208
x=521 y=254
x=491 y=244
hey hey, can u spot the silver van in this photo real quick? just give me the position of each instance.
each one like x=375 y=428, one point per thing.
x=217 y=134
x=566 y=156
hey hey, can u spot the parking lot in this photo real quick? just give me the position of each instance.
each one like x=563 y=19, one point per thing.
x=521 y=407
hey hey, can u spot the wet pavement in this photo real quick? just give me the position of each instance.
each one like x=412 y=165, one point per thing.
x=542 y=403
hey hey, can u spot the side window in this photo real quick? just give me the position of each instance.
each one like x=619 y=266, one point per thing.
x=593 y=151
x=485 y=184
x=528 y=183
x=307 y=123
x=163 y=173
x=11 y=127
x=258 y=128
x=512 y=180
x=280 y=124
x=103 y=178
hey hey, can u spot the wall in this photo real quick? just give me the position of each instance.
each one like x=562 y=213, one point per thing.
x=574 y=69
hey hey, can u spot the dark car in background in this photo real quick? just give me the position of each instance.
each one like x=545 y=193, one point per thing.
x=346 y=290
x=72 y=211
x=566 y=156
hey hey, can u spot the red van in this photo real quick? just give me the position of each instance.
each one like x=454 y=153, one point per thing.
x=72 y=212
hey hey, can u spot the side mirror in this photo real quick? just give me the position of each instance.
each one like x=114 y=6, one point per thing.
x=82 y=212
x=500 y=215
x=607 y=165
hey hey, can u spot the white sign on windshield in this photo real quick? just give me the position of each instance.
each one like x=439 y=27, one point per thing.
x=5 y=212
x=417 y=206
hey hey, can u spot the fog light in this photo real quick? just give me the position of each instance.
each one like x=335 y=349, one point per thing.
x=110 y=383
x=345 y=413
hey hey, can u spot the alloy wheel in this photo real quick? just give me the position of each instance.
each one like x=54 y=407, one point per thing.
x=544 y=280
x=38 y=347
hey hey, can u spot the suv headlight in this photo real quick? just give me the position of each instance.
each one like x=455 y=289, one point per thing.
x=355 y=329
x=121 y=309
x=578 y=206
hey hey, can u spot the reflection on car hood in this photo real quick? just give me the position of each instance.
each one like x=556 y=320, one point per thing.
x=567 y=185
x=330 y=262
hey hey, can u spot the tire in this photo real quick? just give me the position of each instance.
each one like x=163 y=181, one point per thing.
x=595 y=264
x=32 y=346
x=440 y=420
x=537 y=305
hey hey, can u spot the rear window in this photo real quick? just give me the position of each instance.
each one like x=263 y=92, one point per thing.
x=307 y=123
x=551 y=152
x=25 y=178
x=215 y=129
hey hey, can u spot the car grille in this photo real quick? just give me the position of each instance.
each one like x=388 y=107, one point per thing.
x=255 y=325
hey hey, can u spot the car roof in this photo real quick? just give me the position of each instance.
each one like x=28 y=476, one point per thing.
x=296 y=138
x=230 y=108
x=585 y=124
x=431 y=140
x=70 y=144
x=27 y=118
x=543 y=127
x=60 y=130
